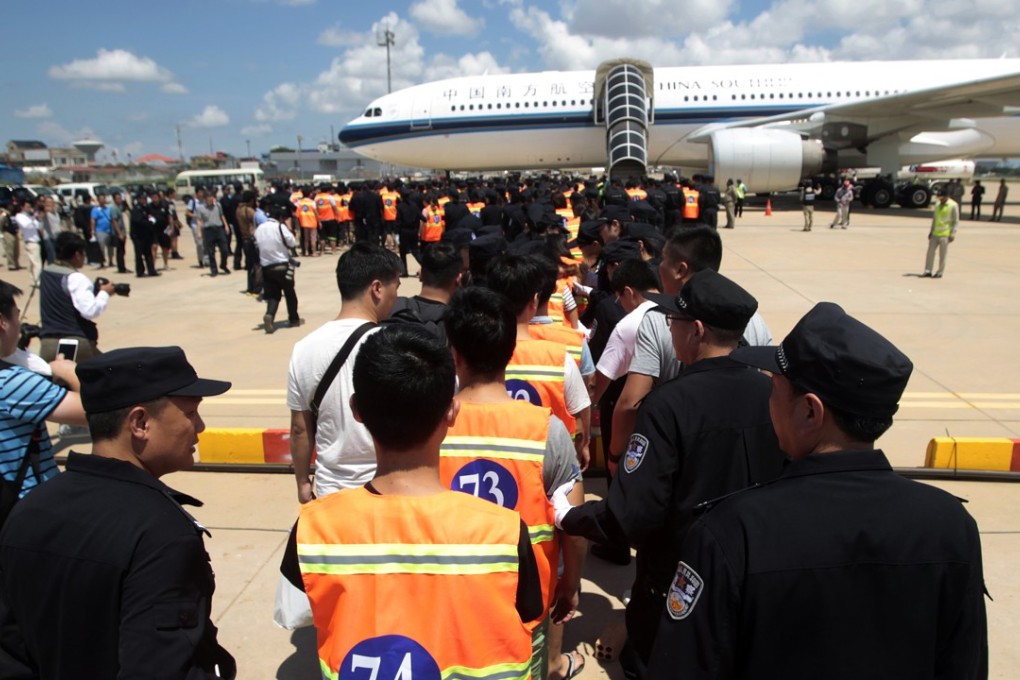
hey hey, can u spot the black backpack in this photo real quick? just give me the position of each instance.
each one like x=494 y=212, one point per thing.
x=416 y=311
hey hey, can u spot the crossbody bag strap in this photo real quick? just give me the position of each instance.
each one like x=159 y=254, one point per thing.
x=330 y=375
x=31 y=459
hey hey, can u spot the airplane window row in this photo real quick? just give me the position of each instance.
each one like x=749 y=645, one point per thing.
x=373 y=113
x=517 y=105
x=814 y=95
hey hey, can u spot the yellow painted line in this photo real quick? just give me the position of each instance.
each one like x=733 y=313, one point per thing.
x=990 y=405
x=960 y=395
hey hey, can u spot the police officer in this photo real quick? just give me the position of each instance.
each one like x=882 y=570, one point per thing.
x=705 y=434
x=840 y=568
x=708 y=202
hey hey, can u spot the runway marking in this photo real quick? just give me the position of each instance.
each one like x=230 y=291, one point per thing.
x=911 y=400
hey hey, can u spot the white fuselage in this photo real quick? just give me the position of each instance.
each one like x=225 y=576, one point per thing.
x=546 y=120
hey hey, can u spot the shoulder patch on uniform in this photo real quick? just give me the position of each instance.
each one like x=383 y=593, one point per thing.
x=684 y=592
x=637 y=447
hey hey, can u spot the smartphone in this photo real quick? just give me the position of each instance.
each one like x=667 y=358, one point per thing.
x=69 y=348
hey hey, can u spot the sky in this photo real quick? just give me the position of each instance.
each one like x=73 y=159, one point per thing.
x=229 y=74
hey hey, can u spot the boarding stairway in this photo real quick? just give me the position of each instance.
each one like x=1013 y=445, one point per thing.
x=624 y=104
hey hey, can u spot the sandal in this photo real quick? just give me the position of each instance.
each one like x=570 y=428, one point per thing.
x=572 y=669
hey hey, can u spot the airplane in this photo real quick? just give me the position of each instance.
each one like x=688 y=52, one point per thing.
x=771 y=125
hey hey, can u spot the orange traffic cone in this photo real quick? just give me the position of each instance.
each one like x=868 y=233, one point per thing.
x=768 y=207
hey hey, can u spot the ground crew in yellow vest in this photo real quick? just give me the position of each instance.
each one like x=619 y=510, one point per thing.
x=308 y=219
x=514 y=454
x=326 y=209
x=406 y=578
x=540 y=371
x=943 y=232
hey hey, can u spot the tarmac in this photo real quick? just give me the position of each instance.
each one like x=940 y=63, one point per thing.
x=961 y=332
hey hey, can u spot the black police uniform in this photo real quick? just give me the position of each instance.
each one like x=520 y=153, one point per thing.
x=839 y=569
x=709 y=199
x=699 y=436
x=107 y=576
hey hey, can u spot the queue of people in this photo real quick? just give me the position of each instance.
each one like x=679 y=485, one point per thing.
x=452 y=432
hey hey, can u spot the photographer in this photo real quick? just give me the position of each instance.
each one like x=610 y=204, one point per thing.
x=69 y=302
x=275 y=244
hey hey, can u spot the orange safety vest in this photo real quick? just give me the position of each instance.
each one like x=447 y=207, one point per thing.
x=389 y=205
x=573 y=225
x=691 y=209
x=496 y=452
x=343 y=207
x=413 y=586
x=556 y=310
x=637 y=194
x=306 y=214
x=571 y=338
x=434 y=226
x=476 y=208
x=323 y=208
x=535 y=374
x=296 y=196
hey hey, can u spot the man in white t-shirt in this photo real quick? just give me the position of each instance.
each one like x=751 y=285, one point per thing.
x=368 y=277
x=631 y=280
x=689 y=251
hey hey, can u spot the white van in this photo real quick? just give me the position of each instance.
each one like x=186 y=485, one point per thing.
x=189 y=180
x=74 y=192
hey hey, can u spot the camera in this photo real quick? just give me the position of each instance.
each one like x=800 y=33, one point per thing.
x=294 y=262
x=29 y=331
x=118 y=288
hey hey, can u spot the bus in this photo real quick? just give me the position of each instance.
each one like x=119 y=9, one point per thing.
x=189 y=180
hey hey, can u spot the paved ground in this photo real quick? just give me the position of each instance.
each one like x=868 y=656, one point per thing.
x=960 y=332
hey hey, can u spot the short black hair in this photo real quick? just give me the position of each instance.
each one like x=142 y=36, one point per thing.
x=699 y=246
x=361 y=265
x=403 y=385
x=107 y=424
x=550 y=276
x=68 y=244
x=516 y=277
x=482 y=327
x=634 y=273
x=440 y=265
x=8 y=292
x=856 y=427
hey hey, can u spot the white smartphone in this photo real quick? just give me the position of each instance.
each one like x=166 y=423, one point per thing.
x=69 y=348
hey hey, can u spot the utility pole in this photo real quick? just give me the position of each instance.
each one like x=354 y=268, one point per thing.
x=300 y=168
x=387 y=39
x=248 y=142
x=180 y=144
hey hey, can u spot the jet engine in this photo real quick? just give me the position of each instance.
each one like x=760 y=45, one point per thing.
x=766 y=159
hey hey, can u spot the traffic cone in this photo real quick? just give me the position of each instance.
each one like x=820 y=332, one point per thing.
x=768 y=207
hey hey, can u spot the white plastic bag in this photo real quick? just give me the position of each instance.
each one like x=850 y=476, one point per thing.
x=292 y=609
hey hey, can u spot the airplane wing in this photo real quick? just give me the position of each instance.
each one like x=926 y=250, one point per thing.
x=973 y=99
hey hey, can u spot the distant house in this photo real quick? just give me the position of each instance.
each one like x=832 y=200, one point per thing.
x=155 y=159
x=27 y=152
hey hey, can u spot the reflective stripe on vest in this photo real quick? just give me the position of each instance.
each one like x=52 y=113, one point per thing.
x=389 y=204
x=535 y=374
x=571 y=339
x=378 y=569
x=496 y=451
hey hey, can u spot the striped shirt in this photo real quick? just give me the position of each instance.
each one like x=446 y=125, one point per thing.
x=26 y=399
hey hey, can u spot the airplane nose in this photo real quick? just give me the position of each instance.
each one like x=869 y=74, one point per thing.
x=346 y=135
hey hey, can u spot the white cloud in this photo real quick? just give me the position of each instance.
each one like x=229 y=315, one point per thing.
x=444 y=17
x=442 y=66
x=258 y=130
x=174 y=88
x=112 y=65
x=99 y=86
x=336 y=36
x=211 y=116
x=55 y=133
x=35 y=111
x=280 y=103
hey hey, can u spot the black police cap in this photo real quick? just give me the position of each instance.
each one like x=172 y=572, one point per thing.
x=711 y=298
x=618 y=251
x=588 y=232
x=126 y=377
x=833 y=355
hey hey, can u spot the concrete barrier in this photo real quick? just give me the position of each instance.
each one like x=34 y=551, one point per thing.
x=974 y=453
x=245 y=446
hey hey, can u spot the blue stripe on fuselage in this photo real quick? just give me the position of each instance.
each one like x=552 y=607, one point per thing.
x=361 y=135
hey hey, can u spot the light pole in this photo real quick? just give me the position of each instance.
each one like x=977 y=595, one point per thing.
x=386 y=39
x=248 y=142
x=299 y=154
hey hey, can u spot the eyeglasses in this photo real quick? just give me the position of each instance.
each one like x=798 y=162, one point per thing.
x=670 y=318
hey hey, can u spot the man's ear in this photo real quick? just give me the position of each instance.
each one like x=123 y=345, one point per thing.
x=354 y=408
x=138 y=422
x=451 y=413
x=811 y=412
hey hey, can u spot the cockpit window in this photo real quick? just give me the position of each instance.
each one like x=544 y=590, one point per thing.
x=368 y=113
x=376 y=112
